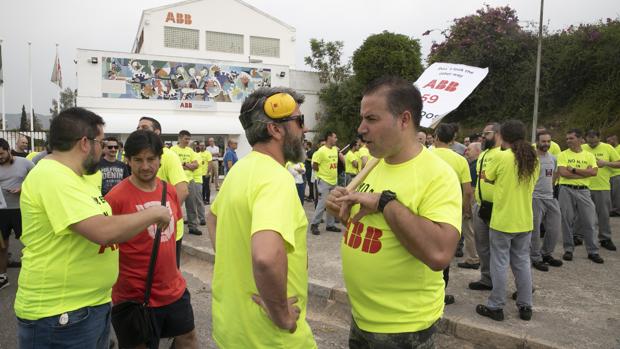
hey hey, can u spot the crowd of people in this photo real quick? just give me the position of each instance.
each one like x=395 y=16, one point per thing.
x=103 y=222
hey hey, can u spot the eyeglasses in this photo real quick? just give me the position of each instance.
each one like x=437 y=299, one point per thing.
x=112 y=146
x=101 y=142
x=299 y=118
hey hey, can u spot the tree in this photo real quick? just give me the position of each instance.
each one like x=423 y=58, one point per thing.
x=68 y=99
x=24 y=123
x=37 y=123
x=326 y=58
x=387 y=54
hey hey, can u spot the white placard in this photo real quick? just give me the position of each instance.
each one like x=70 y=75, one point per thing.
x=444 y=86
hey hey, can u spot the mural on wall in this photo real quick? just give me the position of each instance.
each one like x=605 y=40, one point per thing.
x=162 y=80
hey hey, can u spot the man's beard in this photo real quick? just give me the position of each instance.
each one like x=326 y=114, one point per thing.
x=293 y=148
x=543 y=148
x=90 y=164
x=488 y=144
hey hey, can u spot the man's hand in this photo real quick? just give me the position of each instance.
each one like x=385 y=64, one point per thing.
x=163 y=216
x=15 y=190
x=334 y=207
x=369 y=203
x=602 y=163
x=286 y=322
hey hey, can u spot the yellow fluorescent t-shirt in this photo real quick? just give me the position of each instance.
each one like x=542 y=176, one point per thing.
x=605 y=152
x=171 y=171
x=390 y=290
x=265 y=200
x=581 y=160
x=348 y=163
x=456 y=161
x=486 y=188
x=61 y=269
x=328 y=164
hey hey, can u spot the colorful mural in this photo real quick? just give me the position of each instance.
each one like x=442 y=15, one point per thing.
x=162 y=80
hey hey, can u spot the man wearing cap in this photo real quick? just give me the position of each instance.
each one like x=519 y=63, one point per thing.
x=258 y=230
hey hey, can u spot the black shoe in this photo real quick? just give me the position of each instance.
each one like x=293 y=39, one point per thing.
x=568 y=256
x=525 y=312
x=540 y=266
x=448 y=299
x=195 y=232
x=577 y=241
x=458 y=253
x=596 y=258
x=14 y=264
x=614 y=214
x=479 y=286
x=497 y=314
x=466 y=265
x=552 y=261
x=334 y=229
x=203 y=223
x=514 y=294
x=314 y=229
x=608 y=244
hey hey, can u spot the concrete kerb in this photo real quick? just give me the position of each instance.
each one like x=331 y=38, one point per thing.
x=449 y=325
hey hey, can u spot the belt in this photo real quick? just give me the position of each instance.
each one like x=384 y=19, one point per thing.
x=578 y=187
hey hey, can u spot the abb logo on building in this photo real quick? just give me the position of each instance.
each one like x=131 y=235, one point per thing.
x=369 y=243
x=180 y=18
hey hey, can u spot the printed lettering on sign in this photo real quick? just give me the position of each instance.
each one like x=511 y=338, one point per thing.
x=180 y=18
x=370 y=242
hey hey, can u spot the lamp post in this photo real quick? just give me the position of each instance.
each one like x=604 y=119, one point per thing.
x=537 y=85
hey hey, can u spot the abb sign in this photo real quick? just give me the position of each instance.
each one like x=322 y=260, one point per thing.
x=179 y=18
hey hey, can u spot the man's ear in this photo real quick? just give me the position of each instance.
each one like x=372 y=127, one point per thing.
x=405 y=119
x=275 y=130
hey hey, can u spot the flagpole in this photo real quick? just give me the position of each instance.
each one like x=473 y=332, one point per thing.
x=3 y=103
x=30 y=80
x=59 y=87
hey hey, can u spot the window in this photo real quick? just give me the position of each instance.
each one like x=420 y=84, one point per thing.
x=268 y=47
x=181 y=38
x=225 y=42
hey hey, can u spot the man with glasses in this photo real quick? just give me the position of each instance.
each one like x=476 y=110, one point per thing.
x=112 y=170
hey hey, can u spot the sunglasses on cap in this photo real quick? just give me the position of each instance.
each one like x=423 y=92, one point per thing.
x=278 y=107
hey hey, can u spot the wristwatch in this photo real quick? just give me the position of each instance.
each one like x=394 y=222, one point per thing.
x=386 y=196
x=573 y=170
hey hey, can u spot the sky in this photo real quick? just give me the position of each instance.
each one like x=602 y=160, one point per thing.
x=112 y=24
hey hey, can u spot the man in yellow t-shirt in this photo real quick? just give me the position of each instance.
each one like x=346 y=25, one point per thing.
x=491 y=146
x=189 y=161
x=171 y=171
x=70 y=255
x=401 y=233
x=363 y=154
x=444 y=134
x=511 y=221
x=614 y=181
x=260 y=277
x=351 y=163
x=577 y=168
x=608 y=160
x=325 y=164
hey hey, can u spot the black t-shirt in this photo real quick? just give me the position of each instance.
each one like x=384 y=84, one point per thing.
x=112 y=173
x=15 y=153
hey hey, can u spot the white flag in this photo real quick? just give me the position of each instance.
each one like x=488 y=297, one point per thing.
x=56 y=73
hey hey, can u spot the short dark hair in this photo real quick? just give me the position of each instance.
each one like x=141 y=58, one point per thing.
x=184 y=133
x=327 y=134
x=142 y=139
x=71 y=125
x=4 y=144
x=111 y=139
x=156 y=124
x=576 y=131
x=401 y=95
x=593 y=133
x=542 y=133
x=445 y=132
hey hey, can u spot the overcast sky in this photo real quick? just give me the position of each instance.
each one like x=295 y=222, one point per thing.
x=112 y=25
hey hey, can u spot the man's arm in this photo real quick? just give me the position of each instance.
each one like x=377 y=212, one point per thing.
x=104 y=230
x=567 y=172
x=211 y=227
x=182 y=191
x=354 y=163
x=270 y=268
x=467 y=198
x=612 y=164
x=364 y=161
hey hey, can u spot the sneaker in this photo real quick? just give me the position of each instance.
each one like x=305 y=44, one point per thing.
x=203 y=222
x=596 y=258
x=495 y=314
x=568 y=256
x=552 y=261
x=334 y=229
x=479 y=286
x=608 y=244
x=577 y=241
x=458 y=253
x=314 y=229
x=448 y=299
x=466 y=265
x=195 y=232
x=540 y=265
x=525 y=312
x=4 y=282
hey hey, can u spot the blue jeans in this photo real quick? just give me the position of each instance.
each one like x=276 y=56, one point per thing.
x=87 y=327
x=301 y=190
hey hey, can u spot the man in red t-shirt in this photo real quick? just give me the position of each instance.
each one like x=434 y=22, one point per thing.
x=172 y=310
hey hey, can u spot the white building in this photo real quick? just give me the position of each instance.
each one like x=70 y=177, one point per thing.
x=192 y=65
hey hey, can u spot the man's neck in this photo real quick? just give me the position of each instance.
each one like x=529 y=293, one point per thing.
x=72 y=159
x=541 y=153
x=271 y=149
x=408 y=151
x=594 y=146
x=441 y=145
x=329 y=146
x=149 y=186
x=109 y=158
x=576 y=149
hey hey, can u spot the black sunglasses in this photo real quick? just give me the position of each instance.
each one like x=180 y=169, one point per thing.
x=299 y=118
x=112 y=146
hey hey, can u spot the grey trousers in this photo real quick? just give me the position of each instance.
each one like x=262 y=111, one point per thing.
x=323 y=189
x=615 y=193
x=602 y=203
x=546 y=211
x=513 y=249
x=469 y=239
x=191 y=206
x=481 y=234
x=577 y=206
x=200 y=206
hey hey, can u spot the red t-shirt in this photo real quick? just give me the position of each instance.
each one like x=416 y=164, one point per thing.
x=168 y=283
